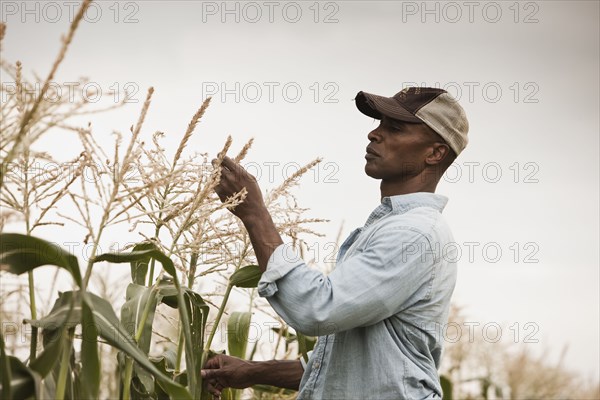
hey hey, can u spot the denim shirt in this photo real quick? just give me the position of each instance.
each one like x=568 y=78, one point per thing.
x=379 y=314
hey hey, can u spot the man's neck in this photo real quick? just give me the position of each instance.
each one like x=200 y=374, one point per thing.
x=414 y=185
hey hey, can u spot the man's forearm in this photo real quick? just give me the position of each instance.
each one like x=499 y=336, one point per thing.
x=263 y=235
x=281 y=373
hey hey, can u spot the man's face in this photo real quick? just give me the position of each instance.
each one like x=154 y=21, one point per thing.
x=397 y=150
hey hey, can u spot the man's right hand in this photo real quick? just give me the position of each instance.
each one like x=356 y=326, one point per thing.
x=224 y=371
x=252 y=211
x=234 y=178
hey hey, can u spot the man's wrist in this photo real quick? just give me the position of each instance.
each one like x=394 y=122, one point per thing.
x=263 y=235
x=280 y=373
x=258 y=217
x=261 y=372
x=253 y=371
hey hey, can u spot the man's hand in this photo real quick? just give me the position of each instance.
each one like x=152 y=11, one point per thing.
x=252 y=211
x=233 y=179
x=223 y=371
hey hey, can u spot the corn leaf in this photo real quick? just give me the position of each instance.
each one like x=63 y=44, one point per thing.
x=184 y=314
x=197 y=311
x=90 y=361
x=446 y=387
x=140 y=255
x=238 y=328
x=246 y=277
x=165 y=364
x=23 y=253
x=106 y=325
x=286 y=334
x=139 y=268
x=111 y=330
x=305 y=344
x=5 y=374
x=137 y=299
x=230 y=394
x=65 y=314
x=18 y=382
x=140 y=300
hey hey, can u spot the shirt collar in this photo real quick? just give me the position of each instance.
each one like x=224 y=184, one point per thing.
x=402 y=203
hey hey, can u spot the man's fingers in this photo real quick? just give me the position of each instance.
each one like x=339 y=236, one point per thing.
x=213 y=390
x=227 y=165
x=209 y=373
x=212 y=384
x=219 y=191
x=230 y=164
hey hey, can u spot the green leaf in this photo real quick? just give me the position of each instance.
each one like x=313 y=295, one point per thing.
x=48 y=387
x=167 y=292
x=47 y=364
x=65 y=314
x=197 y=311
x=246 y=277
x=305 y=344
x=139 y=255
x=90 y=361
x=286 y=334
x=140 y=303
x=139 y=391
x=5 y=374
x=446 y=387
x=230 y=394
x=165 y=364
x=23 y=253
x=65 y=372
x=57 y=329
x=140 y=296
x=109 y=328
x=184 y=315
x=138 y=300
x=238 y=328
x=23 y=383
x=139 y=268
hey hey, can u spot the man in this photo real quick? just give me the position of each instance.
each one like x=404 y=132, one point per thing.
x=379 y=313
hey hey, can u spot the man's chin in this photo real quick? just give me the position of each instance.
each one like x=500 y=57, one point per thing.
x=371 y=171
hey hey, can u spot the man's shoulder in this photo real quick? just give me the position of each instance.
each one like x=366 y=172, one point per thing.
x=419 y=218
x=417 y=223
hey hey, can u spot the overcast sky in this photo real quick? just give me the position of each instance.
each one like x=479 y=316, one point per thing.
x=523 y=195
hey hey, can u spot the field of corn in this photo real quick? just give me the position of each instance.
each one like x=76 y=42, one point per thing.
x=82 y=348
x=188 y=259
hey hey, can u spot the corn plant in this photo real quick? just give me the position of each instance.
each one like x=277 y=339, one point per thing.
x=187 y=237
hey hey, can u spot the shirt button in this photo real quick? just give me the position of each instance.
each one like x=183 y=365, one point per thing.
x=317 y=364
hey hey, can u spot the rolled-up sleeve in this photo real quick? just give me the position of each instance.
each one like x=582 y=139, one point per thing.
x=282 y=261
x=394 y=268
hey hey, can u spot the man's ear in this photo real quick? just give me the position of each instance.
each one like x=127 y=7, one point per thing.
x=439 y=152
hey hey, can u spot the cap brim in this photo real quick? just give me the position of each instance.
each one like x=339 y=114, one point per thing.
x=376 y=106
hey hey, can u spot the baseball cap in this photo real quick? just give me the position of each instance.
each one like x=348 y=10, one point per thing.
x=432 y=106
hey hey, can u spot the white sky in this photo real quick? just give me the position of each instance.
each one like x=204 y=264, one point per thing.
x=543 y=124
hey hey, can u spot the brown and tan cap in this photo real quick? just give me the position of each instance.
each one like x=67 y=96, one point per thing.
x=432 y=106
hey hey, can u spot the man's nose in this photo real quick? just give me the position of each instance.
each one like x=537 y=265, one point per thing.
x=374 y=135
